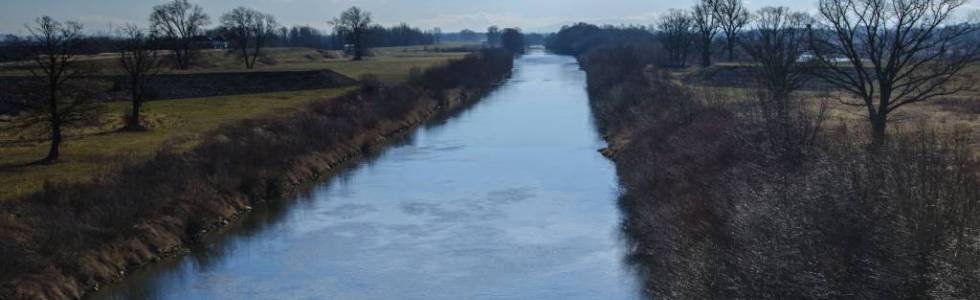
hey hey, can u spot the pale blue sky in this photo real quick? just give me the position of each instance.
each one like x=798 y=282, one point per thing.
x=532 y=15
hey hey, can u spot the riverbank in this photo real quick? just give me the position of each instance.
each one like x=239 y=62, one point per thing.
x=154 y=209
x=720 y=207
x=92 y=150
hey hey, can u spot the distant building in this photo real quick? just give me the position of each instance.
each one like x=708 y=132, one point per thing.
x=218 y=43
x=210 y=42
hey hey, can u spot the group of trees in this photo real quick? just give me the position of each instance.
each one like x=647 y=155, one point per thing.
x=681 y=30
x=512 y=39
x=579 y=38
x=59 y=95
x=886 y=53
x=374 y=36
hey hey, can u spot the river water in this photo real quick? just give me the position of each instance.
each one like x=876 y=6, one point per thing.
x=507 y=200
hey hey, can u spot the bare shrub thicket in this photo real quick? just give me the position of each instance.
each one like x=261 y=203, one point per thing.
x=715 y=212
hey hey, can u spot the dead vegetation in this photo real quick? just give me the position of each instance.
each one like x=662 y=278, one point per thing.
x=717 y=212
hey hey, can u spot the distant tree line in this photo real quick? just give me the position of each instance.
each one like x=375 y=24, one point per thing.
x=578 y=38
x=182 y=27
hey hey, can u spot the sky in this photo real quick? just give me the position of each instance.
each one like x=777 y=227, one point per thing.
x=449 y=15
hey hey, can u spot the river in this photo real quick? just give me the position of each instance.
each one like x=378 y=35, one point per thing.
x=506 y=200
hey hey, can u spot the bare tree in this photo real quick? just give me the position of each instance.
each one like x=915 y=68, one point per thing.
x=437 y=35
x=141 y=61
x=777 y=46
x=493 y=36
x=54 y=99
x=179 y=22
x=732 y=16
x=675 y=33
x=249 y=30
x=706 y=27
x=352 y=24
x=896 y=52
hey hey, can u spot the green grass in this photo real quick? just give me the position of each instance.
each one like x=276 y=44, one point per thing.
x=94 y=151
x=181 y=123
x=391 y=63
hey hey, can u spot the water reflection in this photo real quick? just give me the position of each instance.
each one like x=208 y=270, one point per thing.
x=506 y=200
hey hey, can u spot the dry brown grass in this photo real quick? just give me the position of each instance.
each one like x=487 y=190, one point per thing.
x=960 y=112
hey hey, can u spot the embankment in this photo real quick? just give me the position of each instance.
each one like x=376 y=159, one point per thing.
x=70 y=239
x=185 y=86
x=717 y=210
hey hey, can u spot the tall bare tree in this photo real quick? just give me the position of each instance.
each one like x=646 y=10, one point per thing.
x=249 y=30
x=706 y=26
x=777 y=46
x=732 y=18
x=179 y=22
x=352 y=24
x=55 y=99
x=896 y=52
x=141 y=61
x=675 y=32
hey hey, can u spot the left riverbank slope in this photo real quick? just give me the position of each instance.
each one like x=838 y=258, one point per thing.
x=68 y=239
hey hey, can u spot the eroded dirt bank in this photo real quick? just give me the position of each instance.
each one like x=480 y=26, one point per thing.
x=68 y=240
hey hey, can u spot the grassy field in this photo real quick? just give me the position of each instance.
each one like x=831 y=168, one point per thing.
x=956 y=112
x=95 y=151
x=392 y=63
x=179 y=123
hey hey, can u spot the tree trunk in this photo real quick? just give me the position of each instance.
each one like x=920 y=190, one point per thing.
x=879 y=134
x=705 y=58
x=255 y=55
x=731 y=50
x=55 y=151
x=134 y=122
x=55 y=122
x=248 y=62
x=358 y=49
x=179 y=59
x=134 y=118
